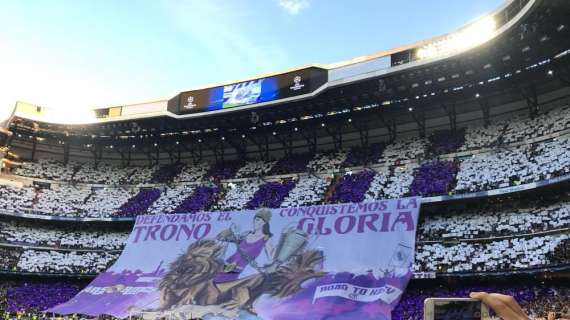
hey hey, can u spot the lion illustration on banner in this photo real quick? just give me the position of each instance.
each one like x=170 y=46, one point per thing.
x=201 y=276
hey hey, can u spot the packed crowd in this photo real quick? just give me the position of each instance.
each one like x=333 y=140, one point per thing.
x=494 y=255
x=200 y=199
x=237 y=195
x=495 y=221
x=309 y=190
x=26 y=300
x=170 y=199
x=433 y=178
x=352 y=186
x=65 y=262
x=67 y=237
x=25 y=260
x=485 y=171
x=518 y=165
x=270 y=194
x=513 y=159
x=102 y=173
x=327 y=162
x=65 y=200
x=254 y=169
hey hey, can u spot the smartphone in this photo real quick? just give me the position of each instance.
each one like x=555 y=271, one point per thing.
x=454 y=309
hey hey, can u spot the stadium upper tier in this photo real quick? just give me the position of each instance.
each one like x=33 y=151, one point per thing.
x=501 y=155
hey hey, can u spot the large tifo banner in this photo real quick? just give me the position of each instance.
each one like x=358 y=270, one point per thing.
x=339 y=261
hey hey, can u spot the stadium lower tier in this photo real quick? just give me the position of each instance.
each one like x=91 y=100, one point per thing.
x=476 y=226
x=26 y=299
x=501 y=255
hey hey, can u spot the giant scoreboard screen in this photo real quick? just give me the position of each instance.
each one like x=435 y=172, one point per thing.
x=250 y=92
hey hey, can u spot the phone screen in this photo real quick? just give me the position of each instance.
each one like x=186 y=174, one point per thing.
x=457 y=310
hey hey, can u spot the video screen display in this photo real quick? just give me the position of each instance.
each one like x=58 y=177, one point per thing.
x=457 y=310
x=249 y=92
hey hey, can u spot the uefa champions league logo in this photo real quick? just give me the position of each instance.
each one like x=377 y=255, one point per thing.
x=297 y=85
x=189 y=103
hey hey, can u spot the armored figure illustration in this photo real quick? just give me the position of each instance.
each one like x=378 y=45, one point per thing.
x=248 y=246
x=202 y=277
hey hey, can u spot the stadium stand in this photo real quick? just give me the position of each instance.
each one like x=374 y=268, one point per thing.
x=495 y=221
x=270 y=194
x=255 y=169
x=170 y=198
x=237 y=195
x=352 y=186
x=500 y=255
x=192 y=172
x=201 y=199
x=16 y=199
x=459 y=151
x=25 y=300
x=140 y=203
x=33 y=234
x=403 y=149
x=38 y=261
x=309 y=190
x=325 y=162
x=478 y=172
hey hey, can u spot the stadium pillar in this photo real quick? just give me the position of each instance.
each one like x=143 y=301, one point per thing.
x=34 y=148
x=238 y=145
x=289 y=148
x=531 y=98
x=157 y=154
x=97 y=155
x=190 y=146
x=420 y=119
x=217 y=149
x=260 y=146
x=65 y=152
x=363 y=133
x=179 y=152
x=452 y=115
x=124 y=161
x=287 y=143
x=486 y=112
x=266 y=147
x=149 y=157
x=390 y=126
x=336 y=136
x=311 y=139
x=200 y=152
x=170 y=155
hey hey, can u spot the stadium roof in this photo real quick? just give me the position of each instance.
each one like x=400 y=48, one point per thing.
x=521 y=59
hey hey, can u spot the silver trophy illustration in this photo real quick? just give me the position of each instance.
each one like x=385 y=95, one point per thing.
x=291 y=243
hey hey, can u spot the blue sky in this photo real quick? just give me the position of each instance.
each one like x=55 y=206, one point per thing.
x=74 y=55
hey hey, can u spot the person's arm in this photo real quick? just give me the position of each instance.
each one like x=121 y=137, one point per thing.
x=269 y=249
x=504 y=306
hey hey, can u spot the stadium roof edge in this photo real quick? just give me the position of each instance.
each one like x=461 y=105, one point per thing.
x=329 y=67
